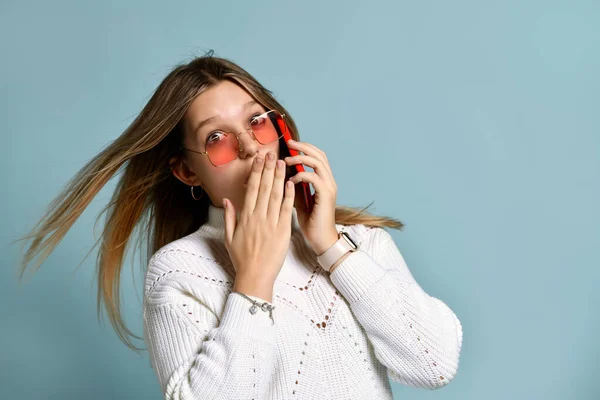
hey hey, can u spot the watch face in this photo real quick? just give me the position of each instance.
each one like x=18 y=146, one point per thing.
x=348 y=238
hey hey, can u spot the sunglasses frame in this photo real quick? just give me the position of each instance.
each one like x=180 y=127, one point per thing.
x=237 y=136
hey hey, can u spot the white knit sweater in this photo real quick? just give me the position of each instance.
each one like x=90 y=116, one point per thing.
x=334 y=336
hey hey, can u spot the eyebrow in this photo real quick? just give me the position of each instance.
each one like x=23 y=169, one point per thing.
x=213 y=118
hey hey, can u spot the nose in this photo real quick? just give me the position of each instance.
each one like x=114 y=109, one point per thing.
x=248 y=146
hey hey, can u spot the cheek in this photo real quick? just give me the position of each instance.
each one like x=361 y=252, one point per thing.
x=226 y=180
x=274 y=147
x=199 y=165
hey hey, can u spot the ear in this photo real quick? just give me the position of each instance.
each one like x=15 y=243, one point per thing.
x=182 y=171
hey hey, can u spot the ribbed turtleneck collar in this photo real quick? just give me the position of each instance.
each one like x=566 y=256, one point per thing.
x=216 y=219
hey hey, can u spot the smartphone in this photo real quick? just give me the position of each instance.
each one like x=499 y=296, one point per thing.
x=286 y=151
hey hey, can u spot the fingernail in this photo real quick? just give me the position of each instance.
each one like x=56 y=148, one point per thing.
x=291 y=141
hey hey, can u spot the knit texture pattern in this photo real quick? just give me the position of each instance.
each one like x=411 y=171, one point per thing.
x=332 y=336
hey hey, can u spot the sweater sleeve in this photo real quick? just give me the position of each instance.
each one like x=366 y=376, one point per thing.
x=416 y=336
x=199 y=354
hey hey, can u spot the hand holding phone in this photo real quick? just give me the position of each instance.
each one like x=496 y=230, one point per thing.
x=285 y=151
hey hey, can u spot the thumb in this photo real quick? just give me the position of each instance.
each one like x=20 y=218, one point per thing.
x=230 y=220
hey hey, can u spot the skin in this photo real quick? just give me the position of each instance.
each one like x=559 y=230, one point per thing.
x=225 y=101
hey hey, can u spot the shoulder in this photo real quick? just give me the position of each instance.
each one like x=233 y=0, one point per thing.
x=193 y=259
x=194 y=245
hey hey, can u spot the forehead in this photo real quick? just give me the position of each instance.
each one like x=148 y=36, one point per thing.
x=223 y=100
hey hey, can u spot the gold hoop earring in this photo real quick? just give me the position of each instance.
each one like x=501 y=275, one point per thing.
x=192 y=190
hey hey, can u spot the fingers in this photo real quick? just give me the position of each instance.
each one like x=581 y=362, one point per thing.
x=317 y=155
x=277 y=189
x=267 y=194
x=320 y=167
x=285 y=215
x=266 y=183
x=321 y=187
x=253 y=186
x=309 y=149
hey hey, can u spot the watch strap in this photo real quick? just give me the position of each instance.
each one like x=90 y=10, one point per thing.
x=343 y=245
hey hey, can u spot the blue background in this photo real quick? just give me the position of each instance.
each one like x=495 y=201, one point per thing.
x=473 y=122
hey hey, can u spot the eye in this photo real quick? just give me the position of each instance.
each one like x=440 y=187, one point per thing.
x=256 y=114
x=215 y=137
x=257 y=121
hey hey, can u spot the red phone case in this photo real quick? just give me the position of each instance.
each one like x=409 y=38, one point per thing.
x=309 y=199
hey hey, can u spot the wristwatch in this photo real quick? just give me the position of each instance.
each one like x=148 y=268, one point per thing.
x=343 y=245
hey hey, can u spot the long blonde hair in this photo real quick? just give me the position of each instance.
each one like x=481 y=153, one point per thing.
x=148 y=197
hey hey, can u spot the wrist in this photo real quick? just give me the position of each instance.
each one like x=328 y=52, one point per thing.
x=321 y=248
x=254 y=287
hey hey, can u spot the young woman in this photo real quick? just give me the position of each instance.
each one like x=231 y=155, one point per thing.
x=248 y=294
